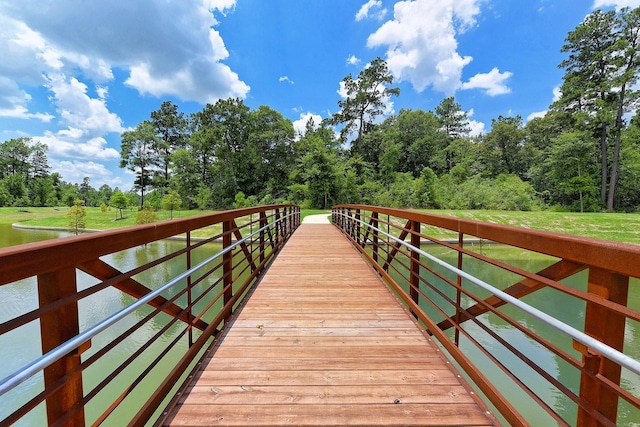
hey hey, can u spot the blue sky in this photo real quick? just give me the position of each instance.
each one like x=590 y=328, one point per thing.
x=75 y=74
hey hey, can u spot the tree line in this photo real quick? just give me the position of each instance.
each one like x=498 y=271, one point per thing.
x=583 y=155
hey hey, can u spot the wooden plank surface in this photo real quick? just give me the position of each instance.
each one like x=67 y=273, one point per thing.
x=322 y=341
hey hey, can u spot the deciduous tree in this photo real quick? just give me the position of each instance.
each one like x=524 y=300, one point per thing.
x=77 y=216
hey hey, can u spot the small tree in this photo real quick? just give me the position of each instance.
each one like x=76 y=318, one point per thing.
x=241 y=201
x=146 y=216
x=77 y=215
x=203 y=197
x=171 y=201
x=119 y=201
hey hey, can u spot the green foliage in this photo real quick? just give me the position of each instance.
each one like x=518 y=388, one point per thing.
x=364 y=100
x=119 y=201
x=203 y=197
x=138 y=155
x=581 y=155
x=153 y=200
x=571 y=168
x=146 y=216
x=241 y=201
x=506 y=192
x=77 y=216
x=602 y=69
x=171 y=201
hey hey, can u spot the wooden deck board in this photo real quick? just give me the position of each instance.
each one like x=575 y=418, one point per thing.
x=323 y=342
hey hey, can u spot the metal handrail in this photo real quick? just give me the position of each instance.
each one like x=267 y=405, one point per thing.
x=55 y=264
x=605 y=350
x=27 y=371
x=434 y=292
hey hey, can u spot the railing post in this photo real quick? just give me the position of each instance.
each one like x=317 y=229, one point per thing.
x=415 y=262
x=358 y=229
x=350 y=216
x=56 y=327
x=459 y=290
x=227 y=266
x=263 y=223
x=607 y=327
x=189 y=296
x=278 y=225
x=374 y=223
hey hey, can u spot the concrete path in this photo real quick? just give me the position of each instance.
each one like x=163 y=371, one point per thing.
x=317 y=219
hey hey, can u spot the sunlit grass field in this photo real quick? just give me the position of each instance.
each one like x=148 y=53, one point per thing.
x=96 y=219
x=619 y=227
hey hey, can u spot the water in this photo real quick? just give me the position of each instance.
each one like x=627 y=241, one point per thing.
x=20 y=346
x=553 y=302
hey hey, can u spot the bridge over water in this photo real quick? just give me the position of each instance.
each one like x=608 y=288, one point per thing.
x=366 y=321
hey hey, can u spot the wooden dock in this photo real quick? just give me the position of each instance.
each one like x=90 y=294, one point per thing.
x=322 y=341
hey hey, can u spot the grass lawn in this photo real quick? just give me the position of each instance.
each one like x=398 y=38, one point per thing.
x=98 y=220
x=618 y=227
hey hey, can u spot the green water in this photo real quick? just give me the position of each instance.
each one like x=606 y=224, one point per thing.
x=555 y=303
x=20 y=346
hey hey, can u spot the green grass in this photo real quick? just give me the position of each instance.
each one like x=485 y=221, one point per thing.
x=98 y=220
x=618 y=227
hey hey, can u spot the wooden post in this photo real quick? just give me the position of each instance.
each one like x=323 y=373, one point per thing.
x=607 y=327
x=415 y=266
x=56 y=327
x=227 y=266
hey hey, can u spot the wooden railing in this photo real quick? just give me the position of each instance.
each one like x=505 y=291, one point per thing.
x=181 y=318
x=542 y=351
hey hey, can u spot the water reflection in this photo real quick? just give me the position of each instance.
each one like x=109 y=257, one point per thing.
x=20 y=346
x=551 y=301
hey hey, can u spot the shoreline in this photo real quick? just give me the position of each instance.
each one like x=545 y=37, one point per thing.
x=472 y=241
x=19 y=226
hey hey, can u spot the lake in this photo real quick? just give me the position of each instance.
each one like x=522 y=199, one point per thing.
x=22 y=345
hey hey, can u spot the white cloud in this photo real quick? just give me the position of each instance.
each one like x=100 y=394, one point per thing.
x=618 y=4
x=372 y=8
x=536 y=115
x=300 y=125
x=421 y=41
x=557 y=93
x=168 y=50
x=189 y=83
x=75 y=171
x=78 y=110
x=14 y=101
x=285 y=79
x=493 y=82
x=476 y=127
x=353 y=60
x=69 y=144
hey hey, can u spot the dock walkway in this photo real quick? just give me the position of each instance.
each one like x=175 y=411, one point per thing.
x=322 y=341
